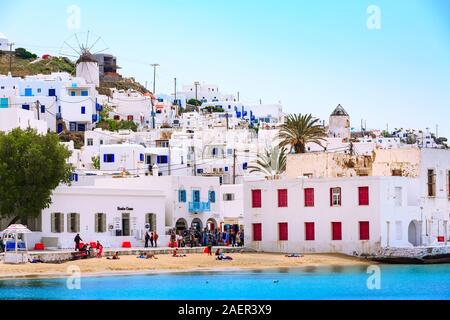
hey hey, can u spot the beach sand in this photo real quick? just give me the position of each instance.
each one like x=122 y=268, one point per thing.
x=167 y=263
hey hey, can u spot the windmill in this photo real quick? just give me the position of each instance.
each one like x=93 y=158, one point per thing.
x=81 y=47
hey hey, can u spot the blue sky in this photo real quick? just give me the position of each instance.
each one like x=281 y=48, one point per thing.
x=310 y=55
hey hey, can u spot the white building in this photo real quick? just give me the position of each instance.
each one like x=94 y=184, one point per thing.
x=204 y=93
x=23 y=119
x=347 y=215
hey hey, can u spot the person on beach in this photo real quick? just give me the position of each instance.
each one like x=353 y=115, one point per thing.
x=99 y=249
x=147 y=239
x=155 y=238
x=151 y=239
x=176 y=255
x=77 y=241
x=115 y=256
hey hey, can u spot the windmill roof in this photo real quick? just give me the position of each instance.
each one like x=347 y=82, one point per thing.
x=86 y=57
x=339 y=111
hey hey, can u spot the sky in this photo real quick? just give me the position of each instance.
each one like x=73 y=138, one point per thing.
x=384 y=61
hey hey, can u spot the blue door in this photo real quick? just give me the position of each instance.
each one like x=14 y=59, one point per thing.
x=28 y=92
x=60 y=127
x=51 y=92
x=196 y=196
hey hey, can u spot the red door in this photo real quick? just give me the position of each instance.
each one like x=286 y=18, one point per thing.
x=336 y=230
x=309 y=197
x=256 y=198
x=363 y=196
x=364 y=230
x=257 y=232
x=282 y=198
x=283 y=231
x=309 y=231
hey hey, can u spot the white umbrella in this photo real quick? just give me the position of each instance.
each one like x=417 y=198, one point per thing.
x=17 y=229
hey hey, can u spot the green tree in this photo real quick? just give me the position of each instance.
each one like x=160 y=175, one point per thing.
x=271 y=163
x=24 y=54
x=31 y=166
x=194 y=102
x=299 y=130
x=96 y=162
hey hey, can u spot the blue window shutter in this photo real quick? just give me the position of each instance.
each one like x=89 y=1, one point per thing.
x=141 y=157
x=51 y=92
x=84 y=93
x=42 y=109
x=26 y=107
x=83 y=110
x=104 y=158
x=112 y=158
x=28 y=92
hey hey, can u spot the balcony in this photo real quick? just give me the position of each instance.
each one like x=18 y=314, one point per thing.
x=199 y=207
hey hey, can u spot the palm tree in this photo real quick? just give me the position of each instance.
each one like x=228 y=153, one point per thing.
x=298 y=130
x=271 y=163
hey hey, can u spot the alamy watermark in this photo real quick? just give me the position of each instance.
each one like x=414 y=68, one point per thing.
x=374 y=280
x=73 y=21
x=74 y=280
x=374 y=18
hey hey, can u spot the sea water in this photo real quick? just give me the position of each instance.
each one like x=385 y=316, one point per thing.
x=354 y=282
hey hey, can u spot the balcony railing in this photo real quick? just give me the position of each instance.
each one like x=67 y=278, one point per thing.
x=199 y=207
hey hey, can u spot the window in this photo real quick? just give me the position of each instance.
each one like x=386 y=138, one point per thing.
x=26 y=107
x=100 y=222
x=396 y=172
x=228 y=196
x=196 y=196
x=90 y=142
x=39 y=90
x=283 y=231
x=199 y=171
x=150 y=219
x=364 y=232
x=130 y=118
x=212 y=196
x=162 y=159
x=257 y=232
x=57 y=222
x=73 y=222
x=256 y=198
x=141 y=157
x=83 y=110
x=282 y=198
x=245 y=165
x=84 y=93
x=335 y=197
x=108 y=158
x=181 y=195
x=81 y=127
x=398 y=197
x=336 y=231
x=309 y=197
x=309 y=231
x=431 y=183
x=51 y=92
x=363 y=196
x=28 y=92
x=42 y=109
x=73 y=126
x=73 y=93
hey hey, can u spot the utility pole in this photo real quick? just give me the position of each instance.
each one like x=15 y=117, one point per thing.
x=169 y=160
x=238 y=95
x=154 y=65
x=37 y=109
x=195 y=162
x=196 y=84
x=234 y=165
x=10 y=56
x=227 y=120
x=175 y=91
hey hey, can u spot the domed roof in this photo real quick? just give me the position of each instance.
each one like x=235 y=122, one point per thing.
x=339 y=111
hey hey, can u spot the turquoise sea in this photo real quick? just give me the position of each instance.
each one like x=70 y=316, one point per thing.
x=392 y=282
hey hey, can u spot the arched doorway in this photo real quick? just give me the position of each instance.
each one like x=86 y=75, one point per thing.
x=181 y=224
x=197 y=224
x=414 y=233
x=211 y=224
x=150 y=221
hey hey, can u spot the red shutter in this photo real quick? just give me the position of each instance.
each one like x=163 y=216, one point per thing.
x=257 y=232
x=309 y=197
x=256 y=198
x=130 y=118
x=309 y=231
x=364 y=231
x=283 y=231
x=282 y=198
x=363 y=196
x=336 y=229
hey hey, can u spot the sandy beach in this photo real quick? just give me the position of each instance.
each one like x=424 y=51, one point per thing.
x=167 y=263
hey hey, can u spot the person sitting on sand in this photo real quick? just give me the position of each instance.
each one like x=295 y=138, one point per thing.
x=142 y=256
x=115 y=256
x=36 y=260
x=294 y=255
x=176 y=255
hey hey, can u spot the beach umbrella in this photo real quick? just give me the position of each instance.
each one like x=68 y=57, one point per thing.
x=15 y=230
